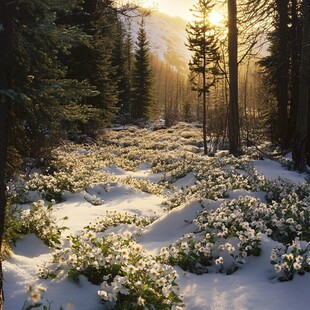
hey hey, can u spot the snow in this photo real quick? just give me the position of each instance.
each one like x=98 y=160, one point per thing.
x=251 y=287
x=273 y=170
x=167 y=37
x=170 y=227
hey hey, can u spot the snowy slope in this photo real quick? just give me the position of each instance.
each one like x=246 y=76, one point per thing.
x=128 y=170
x=167 y=37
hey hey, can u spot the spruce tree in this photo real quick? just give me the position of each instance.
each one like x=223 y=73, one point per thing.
x=43 y=98
x=121 y=58
x=203 y=43
x=36 y=97
x=142 y=80
x=91 y=59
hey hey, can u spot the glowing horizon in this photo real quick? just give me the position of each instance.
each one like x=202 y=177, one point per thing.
x=180 y=8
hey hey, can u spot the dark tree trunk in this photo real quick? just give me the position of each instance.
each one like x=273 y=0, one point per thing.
x=5 y=43
x=204 y=121
x=233 y=119
x=295 y=50
x=283 y=73
x=301 y=143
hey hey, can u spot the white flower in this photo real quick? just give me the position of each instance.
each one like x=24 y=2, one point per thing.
x=141 y=264
x=140 y=301
x=221 y=247
x=184 y=245
x=277 y=267
x=273 y=256
x=131 y=269
x=103 y=295
x=153 y=273
x=219 y=261
x=161 y=282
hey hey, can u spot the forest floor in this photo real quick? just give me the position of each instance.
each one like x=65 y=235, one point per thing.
x=169 y=226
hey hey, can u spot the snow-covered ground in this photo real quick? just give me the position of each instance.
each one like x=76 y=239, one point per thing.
x=253 y=286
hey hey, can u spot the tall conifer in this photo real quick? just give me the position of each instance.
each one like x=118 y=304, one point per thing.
x=142 y=80
x=202 y=42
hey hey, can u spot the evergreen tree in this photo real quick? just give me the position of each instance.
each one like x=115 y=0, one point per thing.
x=281 y=68
x=91 y=59
x=142 y=80
x=43 y=97
x=121 y=59
x=203 y=43
x=36 y=97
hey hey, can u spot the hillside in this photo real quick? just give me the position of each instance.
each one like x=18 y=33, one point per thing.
x=167 y=37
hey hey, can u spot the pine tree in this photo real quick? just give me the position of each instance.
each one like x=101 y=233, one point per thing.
x=142 y=80
x=121 y=58
x=43 y=98
x=91 y=59
x=282 y=68
x=203 y=43
x=36 y=97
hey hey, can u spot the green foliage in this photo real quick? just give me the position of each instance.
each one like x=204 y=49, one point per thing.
x=129 y=277
x=142 y=98
x=12 y=229
x=43 y=96
x=202 y=41
x=91 y=60
x=40 y=221
x=122 y=62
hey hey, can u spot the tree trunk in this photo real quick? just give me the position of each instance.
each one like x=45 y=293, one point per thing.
x=283 y=73
x=5 y=44
x=204 y=121
x=295 y=50
x=233 y=118
x=302 y=131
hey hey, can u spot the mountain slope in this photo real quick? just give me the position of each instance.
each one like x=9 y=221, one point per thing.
x=167 y=37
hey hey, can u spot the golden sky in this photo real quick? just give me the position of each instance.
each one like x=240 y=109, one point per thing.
x=172 y=7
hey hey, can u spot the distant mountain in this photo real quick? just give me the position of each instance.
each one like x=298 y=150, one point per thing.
x=167 y=37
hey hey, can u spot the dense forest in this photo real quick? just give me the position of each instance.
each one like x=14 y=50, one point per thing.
x=71 y=70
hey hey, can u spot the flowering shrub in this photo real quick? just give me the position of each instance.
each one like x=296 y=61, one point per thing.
x=114 y=218
x=242 y=221
x=289 y=218
x=291 y=259
x=280 y=188
x=234 y=221
x=213 y=186
x=129 y=277
x=50 y=186
x=40 y=221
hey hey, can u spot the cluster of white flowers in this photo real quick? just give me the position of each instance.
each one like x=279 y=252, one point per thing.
x=241 y=221
x=127 y=274
x=40 y=220
x=114 y=218
x=224 y=237
x=290 y=259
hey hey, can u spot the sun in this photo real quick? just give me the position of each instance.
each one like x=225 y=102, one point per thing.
x=216 y=18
